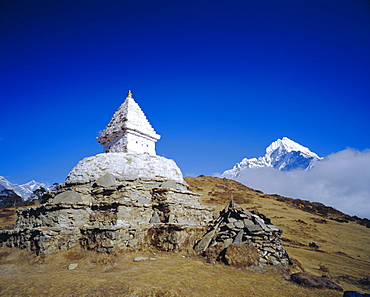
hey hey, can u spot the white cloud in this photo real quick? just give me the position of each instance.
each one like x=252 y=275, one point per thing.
x=341 y=180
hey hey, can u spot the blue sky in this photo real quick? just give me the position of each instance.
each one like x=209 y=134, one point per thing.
x=219 y=80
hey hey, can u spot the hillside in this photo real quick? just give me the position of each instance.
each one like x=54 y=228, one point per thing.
x=340 y=246
x=340 y=250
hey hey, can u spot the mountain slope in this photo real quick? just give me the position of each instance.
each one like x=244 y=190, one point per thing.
x=319 y=237
x=283 y=154
x=25 y=190
x=342 y=255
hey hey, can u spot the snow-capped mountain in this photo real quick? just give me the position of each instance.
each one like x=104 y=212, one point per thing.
x=283 y=154
x=25 y=190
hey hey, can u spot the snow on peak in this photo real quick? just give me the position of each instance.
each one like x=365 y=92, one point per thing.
x=33 y=185
x=283 y=154
x=288 y=145
x=25 y=190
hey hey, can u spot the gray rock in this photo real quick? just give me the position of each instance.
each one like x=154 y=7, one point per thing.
x=143 y=200
x=139 y=259
x=248 y=223
x=183 y=221
x=106 y=180
x=309 y=280
x=155 y=218
x=262 y=224
x=274 y=228
x=228 y=241
x=169 y=184
x=239 y=237
x=245 y=214
x=230 y=225
x=254 y=228
x=239 y=224
x=72 y=266
x=171 y=219
x=86 y=198
x=205 y=241
x=269 y=249
x=68 y=196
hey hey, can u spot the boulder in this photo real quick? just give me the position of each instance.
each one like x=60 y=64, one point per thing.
x=309 y=280
x=241 y=256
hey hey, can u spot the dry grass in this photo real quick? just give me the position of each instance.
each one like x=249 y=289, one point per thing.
x=169 y=275
x=343 y=255
x=344 y=248
x=7 y=216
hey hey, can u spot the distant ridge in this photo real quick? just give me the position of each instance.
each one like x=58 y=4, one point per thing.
x=25 y=190
x=283 y=154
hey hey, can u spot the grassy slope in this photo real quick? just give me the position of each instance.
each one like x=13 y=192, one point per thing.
x=343 y=249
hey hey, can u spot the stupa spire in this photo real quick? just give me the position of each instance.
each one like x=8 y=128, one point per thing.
x=129 y=130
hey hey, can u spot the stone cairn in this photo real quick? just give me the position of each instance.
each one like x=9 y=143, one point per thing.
x=250 y=233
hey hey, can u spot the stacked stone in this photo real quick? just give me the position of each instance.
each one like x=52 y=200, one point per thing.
x=236 y=225
x=111 y=214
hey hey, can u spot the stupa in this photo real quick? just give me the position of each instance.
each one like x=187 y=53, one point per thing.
x=129 y=150
x=129 y=130
x=124 y=198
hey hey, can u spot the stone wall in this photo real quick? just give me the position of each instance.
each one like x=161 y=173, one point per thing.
x=111 y=214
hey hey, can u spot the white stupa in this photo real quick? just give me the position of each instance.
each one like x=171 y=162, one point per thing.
x=129 y=150
x=129 y=130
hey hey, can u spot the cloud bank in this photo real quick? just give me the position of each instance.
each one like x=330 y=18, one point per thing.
x=341 y=180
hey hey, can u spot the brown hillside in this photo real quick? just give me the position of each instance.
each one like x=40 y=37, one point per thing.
x=340 y=250
x=340 y=246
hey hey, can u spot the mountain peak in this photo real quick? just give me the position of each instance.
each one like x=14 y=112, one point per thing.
x=283 y=154
x=288 y=145
x=25 y=190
